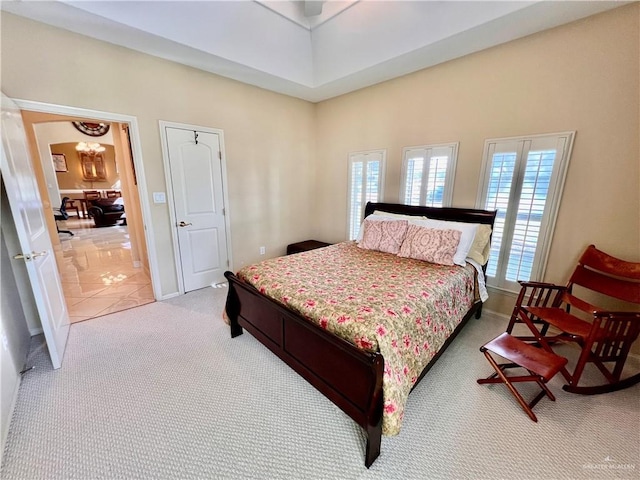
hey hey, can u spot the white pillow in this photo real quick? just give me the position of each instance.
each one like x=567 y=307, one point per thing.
x=481 y=246
x=468 y=231
x=378 y=215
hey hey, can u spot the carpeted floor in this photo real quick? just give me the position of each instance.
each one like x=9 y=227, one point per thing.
x=162 y=391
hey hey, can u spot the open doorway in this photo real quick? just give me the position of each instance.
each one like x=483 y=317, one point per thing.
x=103 y=261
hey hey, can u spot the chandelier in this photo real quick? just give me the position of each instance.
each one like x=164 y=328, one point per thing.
x=90 y=147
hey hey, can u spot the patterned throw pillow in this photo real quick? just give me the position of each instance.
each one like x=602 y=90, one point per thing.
x=467 y=234
x=431 y=245
x=384 y=236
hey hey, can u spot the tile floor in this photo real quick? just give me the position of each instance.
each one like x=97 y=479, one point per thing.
x=97 y=272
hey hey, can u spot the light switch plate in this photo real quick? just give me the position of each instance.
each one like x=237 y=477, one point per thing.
x=159 y=197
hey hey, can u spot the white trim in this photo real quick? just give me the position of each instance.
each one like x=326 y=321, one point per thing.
x=555 y=201
x=163 y=125
x=171 y=204
x=170 y=295
x=136 y=147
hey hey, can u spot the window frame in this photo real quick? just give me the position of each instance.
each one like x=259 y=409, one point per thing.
x=524 y=145
x=353 y=157
x=447 y=195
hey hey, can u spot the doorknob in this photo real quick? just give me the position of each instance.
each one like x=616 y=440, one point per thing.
x=29 y=256
x=183 y=224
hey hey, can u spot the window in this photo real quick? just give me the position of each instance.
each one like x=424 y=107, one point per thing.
x=427 y=174
x=522 y=179
x=366 y=179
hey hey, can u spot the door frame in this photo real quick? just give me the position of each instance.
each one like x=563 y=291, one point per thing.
x=136 y=148
x=170 y=198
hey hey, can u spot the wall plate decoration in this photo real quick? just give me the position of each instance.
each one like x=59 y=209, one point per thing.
x=92 y=129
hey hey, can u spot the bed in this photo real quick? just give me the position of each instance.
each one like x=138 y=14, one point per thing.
x=307 y=311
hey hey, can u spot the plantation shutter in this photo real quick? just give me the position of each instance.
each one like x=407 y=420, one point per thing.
x=428 y=173
x=366 y=171
x=523 y=180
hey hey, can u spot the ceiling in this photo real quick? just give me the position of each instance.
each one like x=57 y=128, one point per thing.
x=313 y=50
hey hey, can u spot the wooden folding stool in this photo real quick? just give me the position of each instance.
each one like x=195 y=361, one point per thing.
x=541 y=365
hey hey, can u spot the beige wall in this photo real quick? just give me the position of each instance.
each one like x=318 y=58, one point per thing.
x=269 y=138
x=583 y=76
x=287 y=159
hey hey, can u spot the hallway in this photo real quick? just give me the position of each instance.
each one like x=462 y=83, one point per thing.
x=97 y=272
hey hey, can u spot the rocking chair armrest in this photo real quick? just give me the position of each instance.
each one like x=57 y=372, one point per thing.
x=553 y=286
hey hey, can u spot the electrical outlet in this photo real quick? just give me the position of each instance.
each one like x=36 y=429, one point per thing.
x=262 y=250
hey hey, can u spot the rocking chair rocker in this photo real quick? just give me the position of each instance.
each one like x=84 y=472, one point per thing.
x=604 y=341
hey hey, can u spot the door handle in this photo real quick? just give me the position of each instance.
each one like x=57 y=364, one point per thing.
x=183 y=224
x=29 y=256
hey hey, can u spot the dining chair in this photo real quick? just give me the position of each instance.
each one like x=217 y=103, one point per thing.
x=60 y=214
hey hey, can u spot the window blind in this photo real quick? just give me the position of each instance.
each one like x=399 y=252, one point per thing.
x=522 y=180
x=366 y=172
x=428 y=174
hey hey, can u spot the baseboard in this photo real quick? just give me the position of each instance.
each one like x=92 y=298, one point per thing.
x=169 y=295
x=35 y=331
x=498 y=315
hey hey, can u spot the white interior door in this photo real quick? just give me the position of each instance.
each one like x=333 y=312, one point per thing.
x=28 y=215
x=195 y=163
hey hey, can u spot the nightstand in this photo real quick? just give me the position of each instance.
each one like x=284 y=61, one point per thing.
x=305 y=246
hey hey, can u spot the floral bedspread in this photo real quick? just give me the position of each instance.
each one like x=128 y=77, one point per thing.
x=401 y=307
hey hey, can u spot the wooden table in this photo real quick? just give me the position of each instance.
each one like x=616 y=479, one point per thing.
x=305 y=246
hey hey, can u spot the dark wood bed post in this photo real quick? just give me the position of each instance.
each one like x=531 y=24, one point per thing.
x=232 y=308
x=373 y=428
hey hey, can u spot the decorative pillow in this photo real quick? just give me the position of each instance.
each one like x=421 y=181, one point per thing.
x=430 y=244
x=481 y=247
x=383 y=235
x=379 y=215
x=468 y=231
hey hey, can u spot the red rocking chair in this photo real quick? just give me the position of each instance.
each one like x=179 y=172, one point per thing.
x=604 y=340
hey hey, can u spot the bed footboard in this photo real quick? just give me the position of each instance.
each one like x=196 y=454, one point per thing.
x=349 y=377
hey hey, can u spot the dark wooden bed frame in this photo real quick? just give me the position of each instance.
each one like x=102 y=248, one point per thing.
x=351 y=378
